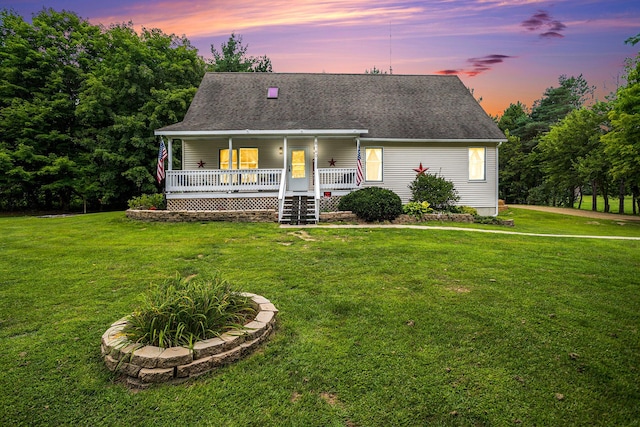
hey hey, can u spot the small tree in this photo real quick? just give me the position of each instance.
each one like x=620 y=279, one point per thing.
x=437 y=191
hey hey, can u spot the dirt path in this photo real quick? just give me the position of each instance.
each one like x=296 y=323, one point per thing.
x=579 y=212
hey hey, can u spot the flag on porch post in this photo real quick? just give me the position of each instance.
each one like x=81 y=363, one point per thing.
x=359 y=175
x=162 y=156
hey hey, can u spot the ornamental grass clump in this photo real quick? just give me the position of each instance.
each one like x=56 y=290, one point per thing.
x=181 y=311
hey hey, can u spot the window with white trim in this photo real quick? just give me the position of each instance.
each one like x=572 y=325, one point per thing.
x=248 y=160
x=477 y=169
x=373 y=163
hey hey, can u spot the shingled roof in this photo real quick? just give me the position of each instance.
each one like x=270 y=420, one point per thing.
x=384 y=106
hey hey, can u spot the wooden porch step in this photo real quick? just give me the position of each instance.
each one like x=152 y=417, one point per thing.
x=299 y=210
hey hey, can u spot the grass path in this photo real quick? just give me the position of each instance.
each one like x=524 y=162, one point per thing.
x=477 y=230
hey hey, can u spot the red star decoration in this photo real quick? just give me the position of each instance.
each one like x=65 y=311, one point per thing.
x=421 y=170
x=332 y=162
x=201 y=164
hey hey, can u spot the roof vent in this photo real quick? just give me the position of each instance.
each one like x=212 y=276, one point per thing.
x=272 y=93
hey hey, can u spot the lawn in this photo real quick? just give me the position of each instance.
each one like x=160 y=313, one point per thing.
x=377 y=327
x=614 y=203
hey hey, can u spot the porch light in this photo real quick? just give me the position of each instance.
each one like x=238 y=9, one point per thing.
x=280 y=150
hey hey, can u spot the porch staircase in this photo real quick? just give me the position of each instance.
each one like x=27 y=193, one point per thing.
x=299 y=210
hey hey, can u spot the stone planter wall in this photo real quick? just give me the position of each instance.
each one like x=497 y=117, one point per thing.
x=143 y=366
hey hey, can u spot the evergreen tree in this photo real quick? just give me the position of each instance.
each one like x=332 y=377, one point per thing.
x=232 y=57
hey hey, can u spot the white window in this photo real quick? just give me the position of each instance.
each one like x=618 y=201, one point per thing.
x=477 y=164
x=248 y=159
x=373 y=164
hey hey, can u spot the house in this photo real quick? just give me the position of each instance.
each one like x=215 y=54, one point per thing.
x=291 y=142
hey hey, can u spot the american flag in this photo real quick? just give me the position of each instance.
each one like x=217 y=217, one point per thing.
x=359 y=176
x=162 y=155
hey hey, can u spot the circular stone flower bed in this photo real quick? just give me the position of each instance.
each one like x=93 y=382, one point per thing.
x=142 y=366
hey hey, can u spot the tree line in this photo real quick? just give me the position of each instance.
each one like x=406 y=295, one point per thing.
x=79 y=104
x=563 y=148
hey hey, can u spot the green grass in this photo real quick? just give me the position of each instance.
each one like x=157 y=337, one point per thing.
x=529 y=221
x=377 y=327
x=613 y=204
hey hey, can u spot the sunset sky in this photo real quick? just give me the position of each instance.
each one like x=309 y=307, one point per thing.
x=505 y=50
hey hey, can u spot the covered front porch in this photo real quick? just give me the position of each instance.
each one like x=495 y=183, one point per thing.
x=258 y=172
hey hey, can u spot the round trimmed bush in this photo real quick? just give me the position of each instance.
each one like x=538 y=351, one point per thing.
x=372 y=204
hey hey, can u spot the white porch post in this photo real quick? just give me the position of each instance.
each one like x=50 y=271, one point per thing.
x=231 y=153
x=315 y=154
x=284 y=153
x=170 y=154
x=359 y=170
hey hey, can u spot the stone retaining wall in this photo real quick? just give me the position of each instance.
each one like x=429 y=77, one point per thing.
x=447 y=217
x=346 y=216
x=264 y=215
x=147 y=365
x=268 y=215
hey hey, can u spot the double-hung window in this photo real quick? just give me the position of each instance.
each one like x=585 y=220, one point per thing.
x=477 y=169
x=248 y=159
x=373 y=163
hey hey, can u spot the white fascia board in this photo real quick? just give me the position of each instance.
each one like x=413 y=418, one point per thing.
x=254 y=132
x=470 y=140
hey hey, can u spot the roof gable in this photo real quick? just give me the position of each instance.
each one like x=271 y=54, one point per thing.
x=388 y=106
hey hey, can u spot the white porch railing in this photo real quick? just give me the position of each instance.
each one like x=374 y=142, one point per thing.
x=224 y=180
x=337 y=178
x=206 y=180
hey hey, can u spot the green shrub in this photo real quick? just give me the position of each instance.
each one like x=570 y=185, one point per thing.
x=181 y=311
x=417 y=209
x=437 y=191
x=464 y=210
x=148 y=201
x=372 y=204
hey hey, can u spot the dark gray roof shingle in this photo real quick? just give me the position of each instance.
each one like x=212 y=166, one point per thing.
x=389 y=106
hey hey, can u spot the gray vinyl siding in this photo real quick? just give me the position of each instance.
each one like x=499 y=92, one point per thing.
x=209 y=152
x=342 y=151
x=450 y=161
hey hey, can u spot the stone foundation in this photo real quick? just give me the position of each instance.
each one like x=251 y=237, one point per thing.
x=143 y=366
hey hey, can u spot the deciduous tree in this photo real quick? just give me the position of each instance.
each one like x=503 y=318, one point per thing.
x=623 y=141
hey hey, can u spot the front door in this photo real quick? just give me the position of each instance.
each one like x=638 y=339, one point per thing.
x=298 y=176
